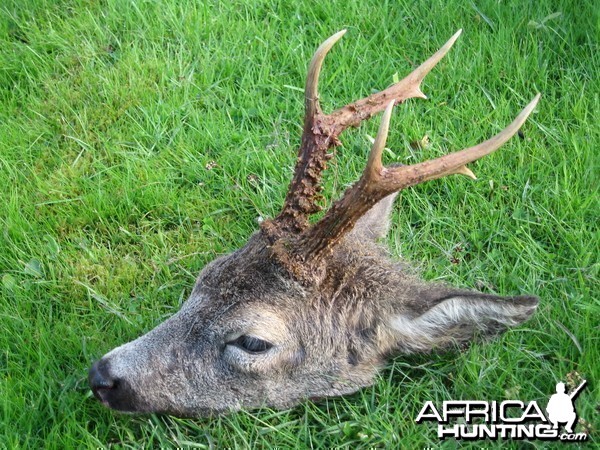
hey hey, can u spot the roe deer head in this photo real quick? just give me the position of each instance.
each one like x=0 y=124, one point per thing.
x=306 y=311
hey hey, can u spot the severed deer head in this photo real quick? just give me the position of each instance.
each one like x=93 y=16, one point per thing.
x=306 y=311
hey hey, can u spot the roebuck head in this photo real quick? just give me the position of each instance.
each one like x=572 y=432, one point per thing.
x=307 y=311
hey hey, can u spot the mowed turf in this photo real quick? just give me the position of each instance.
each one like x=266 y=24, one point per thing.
x=141 y=139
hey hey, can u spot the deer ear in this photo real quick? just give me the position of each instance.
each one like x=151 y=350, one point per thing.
x=441 y=316
x=375 y=224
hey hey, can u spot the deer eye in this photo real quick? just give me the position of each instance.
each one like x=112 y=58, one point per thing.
x=251 y=344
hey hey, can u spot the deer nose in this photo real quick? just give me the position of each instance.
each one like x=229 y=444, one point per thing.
x=100 y=380
x=114 y=392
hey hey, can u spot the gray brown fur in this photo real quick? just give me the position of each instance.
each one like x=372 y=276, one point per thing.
x=328 y=340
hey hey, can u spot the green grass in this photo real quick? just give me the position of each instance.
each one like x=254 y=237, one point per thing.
x=139 y=140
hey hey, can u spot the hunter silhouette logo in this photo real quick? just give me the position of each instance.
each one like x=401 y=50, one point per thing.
x=560 y=407
x=512 y=419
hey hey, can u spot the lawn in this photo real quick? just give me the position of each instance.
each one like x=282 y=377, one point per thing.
x=141 y=139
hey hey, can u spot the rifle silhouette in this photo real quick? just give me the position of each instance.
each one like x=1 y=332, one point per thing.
x=573 y=394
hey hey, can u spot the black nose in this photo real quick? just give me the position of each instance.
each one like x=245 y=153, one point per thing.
x=113 y=392
x=100 y=380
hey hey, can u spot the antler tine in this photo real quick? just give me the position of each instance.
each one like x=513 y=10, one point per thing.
x=374 y=165
x=311 y=93
x=421 y=72
x=409 y=87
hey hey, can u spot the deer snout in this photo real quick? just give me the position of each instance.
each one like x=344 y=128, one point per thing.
x=113 y=392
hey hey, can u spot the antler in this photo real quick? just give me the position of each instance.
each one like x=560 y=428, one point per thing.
x=301 y=248
x=378 y=182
